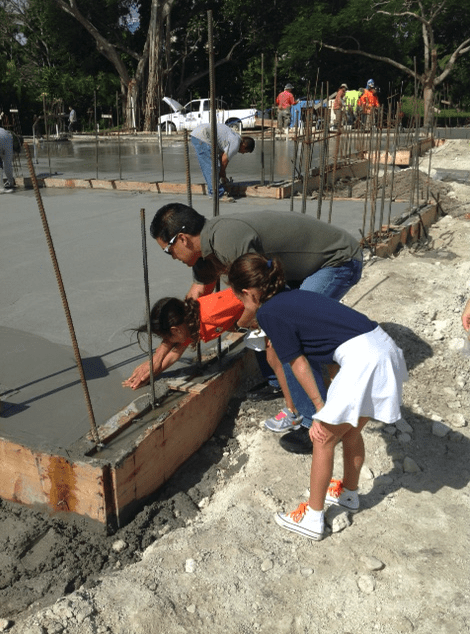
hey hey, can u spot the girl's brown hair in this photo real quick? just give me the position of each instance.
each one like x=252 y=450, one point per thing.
x=253 y=270
x=169 y=312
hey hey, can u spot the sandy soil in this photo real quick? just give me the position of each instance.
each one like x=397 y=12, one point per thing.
x=206 y=555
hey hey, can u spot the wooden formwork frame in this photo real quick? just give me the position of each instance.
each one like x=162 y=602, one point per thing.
x=109 y=491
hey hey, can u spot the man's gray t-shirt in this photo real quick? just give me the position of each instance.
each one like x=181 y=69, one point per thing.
x=302 y=243
x=228 y=141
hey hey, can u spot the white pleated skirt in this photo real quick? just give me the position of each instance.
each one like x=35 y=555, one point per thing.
x=369 y=382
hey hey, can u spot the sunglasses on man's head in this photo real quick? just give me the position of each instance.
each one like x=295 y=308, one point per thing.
x=167 y=249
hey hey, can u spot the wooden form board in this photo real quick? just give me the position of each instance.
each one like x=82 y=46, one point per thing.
x=110 y=491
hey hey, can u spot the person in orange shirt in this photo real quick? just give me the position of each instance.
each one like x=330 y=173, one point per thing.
x=338 y=105
x=284 y=101
x=368 y=102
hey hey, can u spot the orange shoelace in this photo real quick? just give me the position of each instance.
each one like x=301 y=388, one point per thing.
x=299 y=512
x=336 y=488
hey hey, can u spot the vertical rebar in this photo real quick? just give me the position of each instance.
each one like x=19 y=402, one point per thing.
x=96 y=139
x=307 y=156
x=147 y=306
x=214 y=147
x=188 y=169
x=47 y=132
x=119 y=135
x=273 y=129
x=55 y=264
x=384 y=176
x=392 y=181
x=214 y=153
x=294 y=166
x=262 y=121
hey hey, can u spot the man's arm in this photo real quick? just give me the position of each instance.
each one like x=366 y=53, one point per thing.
x=199 y=290
x=223 y=165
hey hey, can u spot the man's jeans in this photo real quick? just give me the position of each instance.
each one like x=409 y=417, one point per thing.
x=333 y=282
x=203 y=153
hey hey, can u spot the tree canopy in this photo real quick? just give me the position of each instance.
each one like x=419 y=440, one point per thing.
x=70 y=49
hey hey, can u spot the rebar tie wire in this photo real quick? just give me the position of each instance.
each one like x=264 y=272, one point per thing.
x=55 y=264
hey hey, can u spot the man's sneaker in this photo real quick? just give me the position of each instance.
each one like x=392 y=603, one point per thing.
x=284 y=421
x=297 y=441
x=338 y=495
x=225 y=198
x=264 y=392
x=5 y=190
x=301 y=521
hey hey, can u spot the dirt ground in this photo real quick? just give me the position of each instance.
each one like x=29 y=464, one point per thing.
x=206 y=554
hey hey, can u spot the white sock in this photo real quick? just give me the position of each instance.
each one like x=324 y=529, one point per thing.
x=317 y=516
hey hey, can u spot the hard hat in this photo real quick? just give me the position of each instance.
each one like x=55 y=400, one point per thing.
x=288 y=87
x=344 y=86
x=370 y=83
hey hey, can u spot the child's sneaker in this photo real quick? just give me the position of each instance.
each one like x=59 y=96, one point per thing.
x=284 y=421
x=340 y=496
x=303 y=521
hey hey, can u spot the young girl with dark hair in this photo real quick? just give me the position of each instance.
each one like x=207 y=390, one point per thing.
x=182 y=323
x=303 y=326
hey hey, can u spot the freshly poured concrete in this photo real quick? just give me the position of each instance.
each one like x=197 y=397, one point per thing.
x=97 y=237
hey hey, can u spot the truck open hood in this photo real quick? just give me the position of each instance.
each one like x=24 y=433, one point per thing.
x=174 y=105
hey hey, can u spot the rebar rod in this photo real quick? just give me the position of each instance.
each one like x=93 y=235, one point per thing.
x=384 y=176
x=294 y=166
x=147 y=306
x=47 y=132
x=262 y=121
x=96 y=139
x=392 y=182
x=273 y=129
x=187 y=168
x=55 y=264
x=214 y=146
x=307 y=157
x=119 y=136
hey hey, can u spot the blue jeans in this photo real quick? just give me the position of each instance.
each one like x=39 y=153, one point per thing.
x=203 y=153
x=333 y=282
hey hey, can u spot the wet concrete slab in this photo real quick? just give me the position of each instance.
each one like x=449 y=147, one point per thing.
x=98 y=243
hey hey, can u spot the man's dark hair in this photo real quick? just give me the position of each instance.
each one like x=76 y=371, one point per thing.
x=249 y=143
x=171 y=218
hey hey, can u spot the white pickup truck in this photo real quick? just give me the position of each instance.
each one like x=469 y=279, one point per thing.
x=197 y=112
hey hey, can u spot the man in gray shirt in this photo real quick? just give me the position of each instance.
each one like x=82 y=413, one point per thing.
x=316 y=257
x=229 y=143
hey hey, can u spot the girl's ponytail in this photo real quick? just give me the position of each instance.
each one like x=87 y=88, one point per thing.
x=253 y=270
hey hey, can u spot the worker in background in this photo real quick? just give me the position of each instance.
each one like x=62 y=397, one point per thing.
x=368 y=103
x=351 y=99
x=284 y=101
x=229 y=143
x=339 y=106
x=6 y=161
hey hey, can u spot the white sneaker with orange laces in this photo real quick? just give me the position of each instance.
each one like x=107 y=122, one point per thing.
x=303 y=521
x=340 y=496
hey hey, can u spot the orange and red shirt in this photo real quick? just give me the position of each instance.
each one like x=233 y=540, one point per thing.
x=285 y=100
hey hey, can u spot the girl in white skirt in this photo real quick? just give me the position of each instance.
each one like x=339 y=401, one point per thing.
x=303 y=325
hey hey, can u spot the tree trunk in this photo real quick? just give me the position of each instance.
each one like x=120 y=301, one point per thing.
x=154 y=35
x=428 y=99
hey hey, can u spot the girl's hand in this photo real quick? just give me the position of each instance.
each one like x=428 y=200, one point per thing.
x=140 y=377
x=317 y=432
